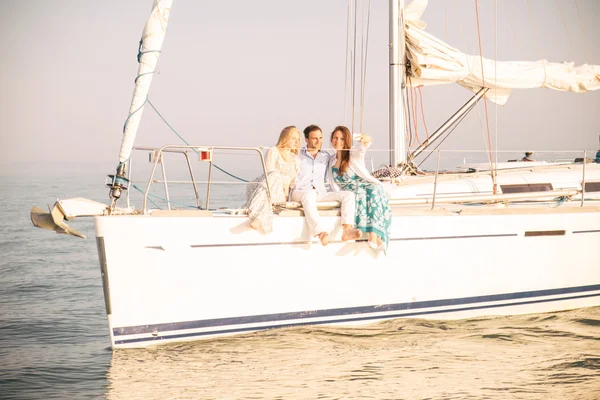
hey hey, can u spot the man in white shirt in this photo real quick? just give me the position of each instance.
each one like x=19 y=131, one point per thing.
x=310 y=188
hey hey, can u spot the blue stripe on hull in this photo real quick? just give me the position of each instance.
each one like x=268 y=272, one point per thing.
x=424 y=307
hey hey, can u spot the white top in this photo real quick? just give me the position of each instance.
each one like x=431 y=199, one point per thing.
x=357 y=164
x=274 y=162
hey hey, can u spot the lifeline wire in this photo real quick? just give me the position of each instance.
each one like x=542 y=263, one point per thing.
x=184 y=141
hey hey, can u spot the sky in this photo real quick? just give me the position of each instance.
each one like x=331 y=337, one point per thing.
x=236 y=72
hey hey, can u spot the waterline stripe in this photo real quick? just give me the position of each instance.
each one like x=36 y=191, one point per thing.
x=335 y=312
x=332 y=321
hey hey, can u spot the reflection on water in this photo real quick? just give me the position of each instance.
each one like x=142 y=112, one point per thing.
x=527 y=357
x=54 y=334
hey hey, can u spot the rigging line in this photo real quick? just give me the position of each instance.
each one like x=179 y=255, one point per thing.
x=585 y=39
x=364 y=67
x=423 y=112
x=414 y=111
x=481 y=126
x=469 y=64
x=163 y=199
x=496 y=82
x=185 y=141
x=407 y=130
x=346 y=66
x=446 y=20
x=455 y=125
x=510 y=24
x=562 y=17
x=411 y=109
x=405 y=107
x=354 y=63
x=140 y=190
x=484 y=101
x=462 y=34
x=537 y=41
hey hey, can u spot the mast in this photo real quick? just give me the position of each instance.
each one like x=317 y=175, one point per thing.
x=397 y=122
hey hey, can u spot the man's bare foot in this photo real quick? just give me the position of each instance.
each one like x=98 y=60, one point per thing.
x=351 y=234
x=323 y=237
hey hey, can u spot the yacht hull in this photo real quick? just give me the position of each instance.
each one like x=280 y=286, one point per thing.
x=179 y=276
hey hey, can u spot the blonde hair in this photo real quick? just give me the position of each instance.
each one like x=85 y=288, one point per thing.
x=284 y=139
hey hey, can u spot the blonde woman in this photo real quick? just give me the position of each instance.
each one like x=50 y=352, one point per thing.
x=281 y=164
x=373 y=214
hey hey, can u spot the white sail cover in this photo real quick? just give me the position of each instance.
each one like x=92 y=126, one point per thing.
x=152 y=41
x=434 y=62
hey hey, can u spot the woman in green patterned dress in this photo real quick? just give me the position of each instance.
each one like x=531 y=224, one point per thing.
x=348 y=172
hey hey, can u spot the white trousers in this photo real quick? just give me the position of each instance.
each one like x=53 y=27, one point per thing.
x=309 y=199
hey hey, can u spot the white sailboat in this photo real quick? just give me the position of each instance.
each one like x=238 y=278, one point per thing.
x=485 y=242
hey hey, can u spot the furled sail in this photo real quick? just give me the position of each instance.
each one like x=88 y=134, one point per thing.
x=434 y=62
x=150 y=46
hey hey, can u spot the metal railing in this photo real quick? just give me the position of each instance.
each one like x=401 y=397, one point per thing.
x=156 y=156
x=524 y=196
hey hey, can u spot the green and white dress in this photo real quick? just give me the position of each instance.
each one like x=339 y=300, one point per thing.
x=373 y=212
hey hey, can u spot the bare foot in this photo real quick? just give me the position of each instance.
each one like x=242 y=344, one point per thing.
x=255 y=224
x=323 y=237
x=351 y=234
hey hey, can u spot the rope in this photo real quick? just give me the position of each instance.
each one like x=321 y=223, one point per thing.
x=130 y=115
x=161 y=198
x=423 y=112
x=140 y=190
x=447 y=134
x=496 y=82
x=354 y=64
x=407 y=112
x=353 y=78
x=348 y=19
x=147 y=100
x=587 y=45
x=365 y=47
x=566 y=29
x=462 y=35
x=537 y=41
x=485 y=102
x=139 y=59
x=184 y=141
x=561 y=201
x=407 y=134
x=446 y=20
x=510 y=24
x=414 y=112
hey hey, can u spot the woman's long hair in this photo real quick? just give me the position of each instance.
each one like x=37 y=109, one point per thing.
x=284 y=138
x=345 y=154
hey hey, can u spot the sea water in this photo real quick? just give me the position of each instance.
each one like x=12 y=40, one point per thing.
x=54 y=339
